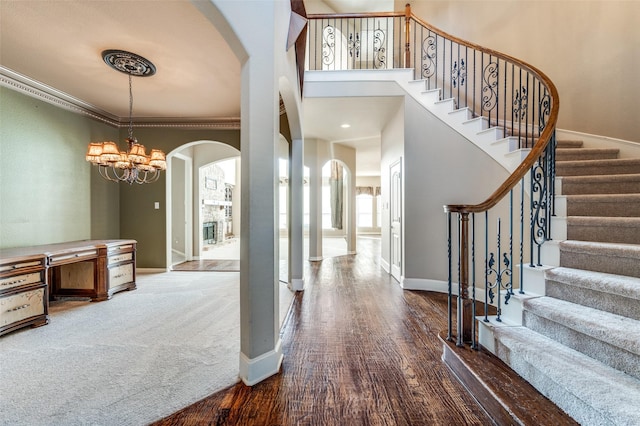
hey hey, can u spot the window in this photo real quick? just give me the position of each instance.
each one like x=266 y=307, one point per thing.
x=364 y=211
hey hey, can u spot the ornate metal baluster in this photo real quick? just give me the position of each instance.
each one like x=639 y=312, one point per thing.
x=494 y=267
x=429 y=56
x=328 y=45
x=379 y=49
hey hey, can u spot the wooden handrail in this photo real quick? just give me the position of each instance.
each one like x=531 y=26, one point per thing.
x=355 y=15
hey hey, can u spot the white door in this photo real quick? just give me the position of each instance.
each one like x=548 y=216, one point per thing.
x=395 y=210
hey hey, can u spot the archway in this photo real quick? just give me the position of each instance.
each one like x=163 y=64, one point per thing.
x=184 y=224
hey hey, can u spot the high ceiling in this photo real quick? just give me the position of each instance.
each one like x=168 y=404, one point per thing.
x=59 y=44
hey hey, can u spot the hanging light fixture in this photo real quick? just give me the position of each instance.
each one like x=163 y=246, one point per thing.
x=132 y=165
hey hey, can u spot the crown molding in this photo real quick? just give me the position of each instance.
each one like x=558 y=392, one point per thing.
x=30 y=87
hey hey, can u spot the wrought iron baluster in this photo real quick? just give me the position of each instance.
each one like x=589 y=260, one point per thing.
x=449 y=281
x=474 y=340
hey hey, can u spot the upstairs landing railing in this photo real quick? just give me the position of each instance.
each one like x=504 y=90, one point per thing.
x=513 y=98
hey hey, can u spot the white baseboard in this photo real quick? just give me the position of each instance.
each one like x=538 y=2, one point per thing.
x=297 y=284
x=425 y=284
x=385 y=265
x=255 y=370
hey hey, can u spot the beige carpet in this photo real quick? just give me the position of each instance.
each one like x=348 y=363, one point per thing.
x=128 y=361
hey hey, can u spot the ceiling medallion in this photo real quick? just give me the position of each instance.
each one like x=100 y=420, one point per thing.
x=128 y=63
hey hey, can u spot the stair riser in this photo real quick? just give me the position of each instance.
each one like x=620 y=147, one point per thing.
x=605 y=234
x=569 y=144
x=600 y=263
x=608 y=302
x=613 y=208
x=567 y=170
x=615 y=357
x=572 y=405
x=576 y=156
x=601 y=188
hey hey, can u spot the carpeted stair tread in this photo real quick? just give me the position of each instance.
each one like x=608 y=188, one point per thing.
x=613 y=258
x=598 y=167
x=619 y=205
x=617 y=294
x=610 y=283
x=604 y=229
x=617 y=330
x=568 y=154
x=588 y=390
x=601 y=184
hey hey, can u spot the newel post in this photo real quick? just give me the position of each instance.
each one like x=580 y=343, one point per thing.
x=465 y=316
x=407 y=32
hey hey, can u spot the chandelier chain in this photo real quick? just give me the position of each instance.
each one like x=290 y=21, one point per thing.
x=130 y=109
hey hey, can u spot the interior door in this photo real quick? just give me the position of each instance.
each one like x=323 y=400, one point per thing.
x=395 y=207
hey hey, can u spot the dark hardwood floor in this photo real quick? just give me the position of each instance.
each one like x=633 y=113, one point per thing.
x=359 y=350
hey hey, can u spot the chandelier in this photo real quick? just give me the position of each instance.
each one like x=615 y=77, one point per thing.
x=132 y=165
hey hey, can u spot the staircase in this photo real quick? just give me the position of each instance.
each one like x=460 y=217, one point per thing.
x=579 y=344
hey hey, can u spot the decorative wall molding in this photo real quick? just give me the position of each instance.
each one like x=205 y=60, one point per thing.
x=40 y=91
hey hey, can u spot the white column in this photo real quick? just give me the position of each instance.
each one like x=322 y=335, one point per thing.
x=260 y=349
x=296 y=215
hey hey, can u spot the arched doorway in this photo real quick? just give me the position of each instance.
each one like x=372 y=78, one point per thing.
x=184 y=223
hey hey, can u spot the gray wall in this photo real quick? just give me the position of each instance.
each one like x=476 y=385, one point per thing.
x=48 y=192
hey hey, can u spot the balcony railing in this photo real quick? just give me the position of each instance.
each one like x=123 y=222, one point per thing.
x=513 y=97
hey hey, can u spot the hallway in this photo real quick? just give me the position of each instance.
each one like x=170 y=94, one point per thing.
x=358 y=350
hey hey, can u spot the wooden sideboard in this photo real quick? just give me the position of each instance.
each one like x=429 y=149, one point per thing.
x=31 y=276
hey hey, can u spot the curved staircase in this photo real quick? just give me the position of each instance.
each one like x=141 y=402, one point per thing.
x=579 y=341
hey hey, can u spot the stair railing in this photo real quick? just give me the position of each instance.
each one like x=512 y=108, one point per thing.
x=513 y=99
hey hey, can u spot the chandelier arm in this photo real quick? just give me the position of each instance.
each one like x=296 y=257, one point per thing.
x=104 y=172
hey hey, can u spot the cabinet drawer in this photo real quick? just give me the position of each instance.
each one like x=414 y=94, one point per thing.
x=18 y=266
x=21 y=306
x=18 y=280
x=65 y=258
x=120 y=249
x=120 y=258
x=120 y=275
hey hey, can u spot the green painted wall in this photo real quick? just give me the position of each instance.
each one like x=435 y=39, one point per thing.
x=139 y=219
x=48 y=192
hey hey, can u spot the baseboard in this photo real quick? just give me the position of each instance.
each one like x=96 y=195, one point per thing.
x=253 y=371
x=385 y=265
x=425 y=284
x=297 y=284
x=151 y=270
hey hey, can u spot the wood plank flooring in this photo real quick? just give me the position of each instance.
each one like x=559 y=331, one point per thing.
x=208 y=265
x=358 y=350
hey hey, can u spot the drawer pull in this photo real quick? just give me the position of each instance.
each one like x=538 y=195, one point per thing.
x=17 y=308
x=14 y=282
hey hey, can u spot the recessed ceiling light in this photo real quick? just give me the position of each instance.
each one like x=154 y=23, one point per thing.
x=345 y=126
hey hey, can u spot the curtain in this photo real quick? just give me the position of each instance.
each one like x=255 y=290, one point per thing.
x=364 y=190
x=377 y=191
x=336 y=185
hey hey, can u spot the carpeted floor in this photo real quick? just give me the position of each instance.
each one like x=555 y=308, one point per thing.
x=128 y=361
